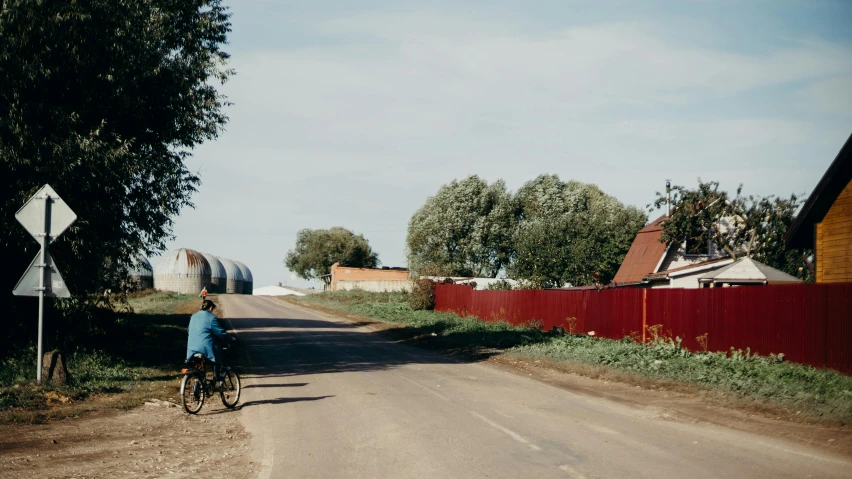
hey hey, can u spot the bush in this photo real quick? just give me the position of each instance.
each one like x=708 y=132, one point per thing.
x=422 y=296
x=500 y=285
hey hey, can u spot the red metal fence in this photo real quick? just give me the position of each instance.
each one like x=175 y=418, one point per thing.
x=808 y=323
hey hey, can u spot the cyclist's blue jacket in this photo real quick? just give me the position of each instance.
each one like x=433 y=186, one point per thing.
x=204 y=332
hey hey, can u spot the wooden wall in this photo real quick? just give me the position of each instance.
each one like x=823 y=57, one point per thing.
x=834 y=241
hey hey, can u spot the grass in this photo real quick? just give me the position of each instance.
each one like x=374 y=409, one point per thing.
x=815 y=393
x=137 y=358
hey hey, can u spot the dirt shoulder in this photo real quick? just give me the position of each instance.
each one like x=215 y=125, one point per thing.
x=676 y=402
x=137 y=433
x=155 y=440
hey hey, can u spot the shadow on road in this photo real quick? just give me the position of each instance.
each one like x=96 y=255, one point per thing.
x=288 y=385
x=282 y=400
x=287 y=347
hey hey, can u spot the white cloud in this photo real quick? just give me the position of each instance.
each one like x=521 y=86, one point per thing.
x=359 y=130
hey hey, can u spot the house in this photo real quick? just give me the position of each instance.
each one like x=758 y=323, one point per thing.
x=824 y=223
x=344 y=278
x=650 y=263
x=745 y=272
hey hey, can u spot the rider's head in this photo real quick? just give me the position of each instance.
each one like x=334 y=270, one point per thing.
x=208 y=305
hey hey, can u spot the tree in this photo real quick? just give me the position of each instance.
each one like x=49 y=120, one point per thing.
x=104 y=100
x=317 y=250
x=464 y=230
x=741 y=226
x=570 y=232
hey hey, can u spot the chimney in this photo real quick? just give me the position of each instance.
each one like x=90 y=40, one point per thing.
x=668 y=197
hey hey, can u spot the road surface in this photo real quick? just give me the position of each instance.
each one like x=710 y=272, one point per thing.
x=324 y=398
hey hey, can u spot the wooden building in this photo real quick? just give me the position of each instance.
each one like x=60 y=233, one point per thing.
x=825 y=222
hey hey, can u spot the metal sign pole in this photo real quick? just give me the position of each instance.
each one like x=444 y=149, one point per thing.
x=45 y=221
x=44 y=238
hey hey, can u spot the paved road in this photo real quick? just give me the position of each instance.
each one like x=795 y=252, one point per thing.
x=323 y=398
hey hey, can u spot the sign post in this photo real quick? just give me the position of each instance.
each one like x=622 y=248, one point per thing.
x=45 y=216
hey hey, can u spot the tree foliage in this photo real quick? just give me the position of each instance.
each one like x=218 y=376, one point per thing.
x=464 y=230
x=550 y=233
x=739 y=225
x=317 y=250
x=570 y=232
x=104 y=100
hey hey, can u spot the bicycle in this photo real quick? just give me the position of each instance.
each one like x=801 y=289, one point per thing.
x=196 y=386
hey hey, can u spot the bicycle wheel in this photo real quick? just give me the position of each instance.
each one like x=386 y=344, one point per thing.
x=230 y=392
x=192 y=393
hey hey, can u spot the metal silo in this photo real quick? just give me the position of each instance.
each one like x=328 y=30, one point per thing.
x=142 y=274
x=233 y=275
x=248 y=281
x=218 y=277
x=182 y=271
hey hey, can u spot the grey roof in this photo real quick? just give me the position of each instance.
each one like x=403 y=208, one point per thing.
x=217 y=270
x=747 y=270
x=142 y=267
x=246 y=272
x=184 y=261
x=232 y=271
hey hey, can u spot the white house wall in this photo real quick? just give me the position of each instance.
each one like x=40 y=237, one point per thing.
x=375 y=286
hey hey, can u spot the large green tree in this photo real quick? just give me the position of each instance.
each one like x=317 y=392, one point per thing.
x=570 y=233
x=104 y=100
x=738 y=225
x=316 y=250
x=464 y=230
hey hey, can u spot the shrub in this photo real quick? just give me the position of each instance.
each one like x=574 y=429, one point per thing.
x=422 y=296
x=500 y=285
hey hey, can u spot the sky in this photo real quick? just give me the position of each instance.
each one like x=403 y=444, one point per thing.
x=353 y=113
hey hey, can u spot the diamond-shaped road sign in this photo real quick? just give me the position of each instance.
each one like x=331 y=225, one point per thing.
x=31 y=215
x=54 y=286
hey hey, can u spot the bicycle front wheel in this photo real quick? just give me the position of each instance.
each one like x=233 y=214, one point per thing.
x=230 y=392
x=192 y=393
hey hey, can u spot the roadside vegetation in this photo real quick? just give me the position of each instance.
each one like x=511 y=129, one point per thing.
x=133 y=354
x=802 y=391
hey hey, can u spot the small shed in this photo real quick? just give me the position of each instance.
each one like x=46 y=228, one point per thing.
x=142 y=274
x=233 y=276
x=182 y=271
x=218 y=277
x=746 y=272
x=248 y=280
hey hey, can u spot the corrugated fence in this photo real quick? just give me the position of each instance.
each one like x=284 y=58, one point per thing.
x=808 y=323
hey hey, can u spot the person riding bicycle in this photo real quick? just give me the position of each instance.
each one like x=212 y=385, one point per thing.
x=205 y=336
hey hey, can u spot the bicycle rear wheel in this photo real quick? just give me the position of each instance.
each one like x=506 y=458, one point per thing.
x=192 y=393
x=230 y=392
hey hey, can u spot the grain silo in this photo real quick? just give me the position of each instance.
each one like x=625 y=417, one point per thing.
x=248 y=281
x=141 y=274
x=233 y=275
x=182 y=271
x=218 y=278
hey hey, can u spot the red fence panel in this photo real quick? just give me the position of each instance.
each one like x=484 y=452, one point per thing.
x=809 y=324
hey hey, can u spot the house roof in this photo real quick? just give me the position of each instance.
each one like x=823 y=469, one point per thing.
x=644 y=254
x=690 y=268
x=747 y=270
x=839 y=173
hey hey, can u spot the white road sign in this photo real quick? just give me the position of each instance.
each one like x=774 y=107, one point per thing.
x=54 y=285
x=32 y=214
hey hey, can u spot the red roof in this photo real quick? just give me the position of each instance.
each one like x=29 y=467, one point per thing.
x=644 y=255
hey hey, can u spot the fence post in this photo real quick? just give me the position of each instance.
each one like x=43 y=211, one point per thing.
x=644 y=312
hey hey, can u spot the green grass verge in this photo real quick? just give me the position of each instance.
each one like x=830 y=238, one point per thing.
x=816 y=393
x=135 y=359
